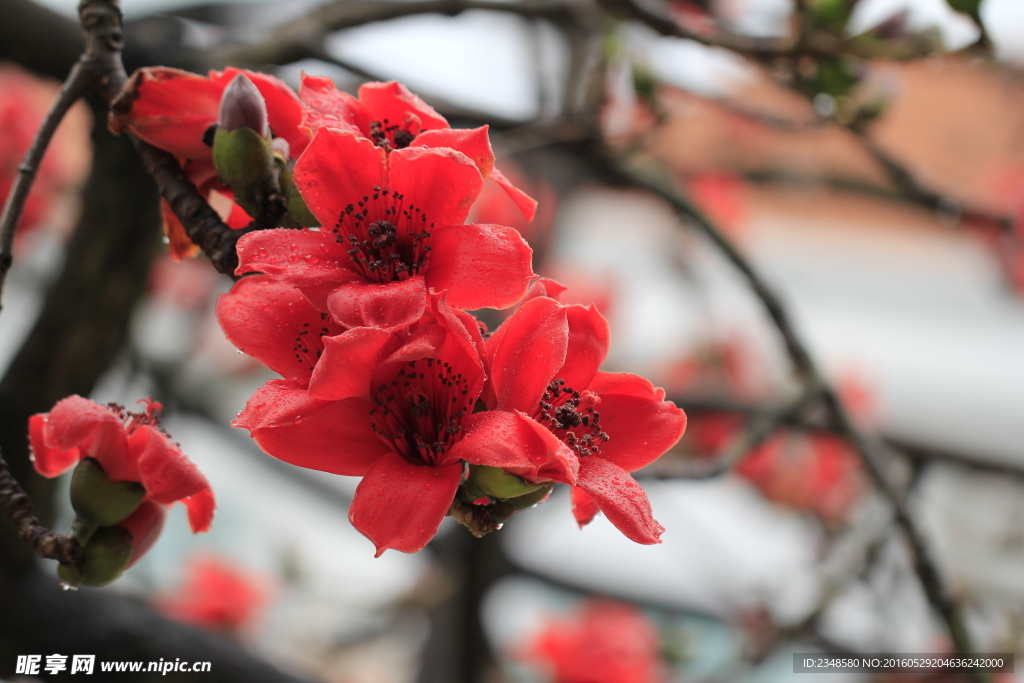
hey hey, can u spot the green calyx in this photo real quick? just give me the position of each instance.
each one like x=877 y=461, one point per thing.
x=299 y=214
x=497 y=483
x=245 y=161
x=104 y=558
x=99 y=502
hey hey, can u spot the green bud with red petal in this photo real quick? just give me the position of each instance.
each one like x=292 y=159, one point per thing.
x=104 y=558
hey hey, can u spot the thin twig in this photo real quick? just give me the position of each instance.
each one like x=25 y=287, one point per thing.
x=761 y=427
x=17 y=506
x=74 y=87
x=872 y=453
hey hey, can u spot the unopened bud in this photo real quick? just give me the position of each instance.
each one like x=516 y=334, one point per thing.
x=104 y=558
x=497 y=483
x=243 y=105
x=99 y=501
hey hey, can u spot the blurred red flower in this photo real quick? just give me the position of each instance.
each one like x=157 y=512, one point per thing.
x=24 y=101
x=603 y=642
x=216 y=595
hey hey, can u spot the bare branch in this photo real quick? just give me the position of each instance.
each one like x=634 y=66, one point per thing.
x=872 y=452
x=289 y=41
x=17 y=506
x=74 y=87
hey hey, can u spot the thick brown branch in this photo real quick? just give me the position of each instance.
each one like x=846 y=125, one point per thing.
x=202 y=224
x=871 y=451
x=17 y=506
x=74 y=87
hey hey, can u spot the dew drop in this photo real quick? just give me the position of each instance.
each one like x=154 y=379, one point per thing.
x=68 y=586
x=262 y=253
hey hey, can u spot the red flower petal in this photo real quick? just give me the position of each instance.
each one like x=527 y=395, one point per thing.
x=201 y=508
x=170 y=109
x=523 y=201
x=441 y=183
x=145 y=525
x=517 y=444
x=393 y=101
x=641 y=424
x=463 y=345
x=331 y=107
x=584 y=509
x=475 y=143
x=274 y=323
x=338 y=168
x=167 y=473
x=480 y=265
x=349 y=361
x=400 y=505
x=588 y=346
x=338 y=440
x=284 y=109
x=49 y=462
x=526 y=352
x=96 y=431
x=307 y=259
x=276 y=404
x=390 y=306
x=620 y=498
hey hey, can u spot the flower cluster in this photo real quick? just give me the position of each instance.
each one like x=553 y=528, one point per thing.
x=127 y=471
x=364 y=312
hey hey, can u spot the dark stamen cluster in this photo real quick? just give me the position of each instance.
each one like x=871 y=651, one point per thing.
x=388 y=240
x=132 y=421
x=563 y=409
x=309 y=347
x=420 y=412
x=390 y=136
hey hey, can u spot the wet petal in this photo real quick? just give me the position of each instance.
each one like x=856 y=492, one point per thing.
x=481 y=266
x=517 y=444
x=48 y=461
x=278 y=403
x=524 y=202
x=390 y=306
x=394 y=103
x=620 y=498
x=166 y=472
x=338 y=169
x=526 y=352
x=475 y=143
x=400 y=505
x=441 y=183
x=584 y=509
x=349 y=361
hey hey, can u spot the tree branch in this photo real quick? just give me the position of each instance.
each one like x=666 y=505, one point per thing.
x=74 y=88
x=872 y=453
x=16 y=504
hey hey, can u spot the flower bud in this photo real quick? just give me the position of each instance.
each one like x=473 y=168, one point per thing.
x=243 y=105
x=109 y=550
x=104 y=558
x=99 y=501
x=497 y=483
x=245 y=161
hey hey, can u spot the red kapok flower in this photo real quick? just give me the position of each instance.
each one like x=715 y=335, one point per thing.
x=543 y=369
x=392 y=229
x=129 y=447
x=216 y=595
x=394 y=118
x=603 y=642
x=173 y=109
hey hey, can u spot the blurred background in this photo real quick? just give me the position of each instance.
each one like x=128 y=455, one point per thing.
x=866 y=155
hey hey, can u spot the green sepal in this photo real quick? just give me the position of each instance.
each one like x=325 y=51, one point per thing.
x=245 y=161
x=497 y=483
x=104 y=558
x=530 y=499
x=299 y=215
x=97 y=500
